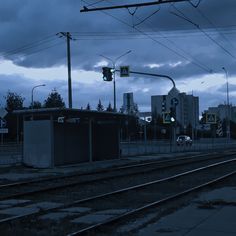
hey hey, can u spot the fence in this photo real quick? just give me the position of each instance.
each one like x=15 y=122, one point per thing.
x=11 y=153
x=154 y=147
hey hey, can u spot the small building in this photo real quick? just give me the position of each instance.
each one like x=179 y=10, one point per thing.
x=55 y=137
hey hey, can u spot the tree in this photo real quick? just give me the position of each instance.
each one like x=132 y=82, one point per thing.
x=88 y=107
x=36 y=105
x=100 y=106
x=54 y=99
x=14 y=101
x=109 y=108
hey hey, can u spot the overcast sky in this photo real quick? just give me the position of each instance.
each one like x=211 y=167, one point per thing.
x=189 y=41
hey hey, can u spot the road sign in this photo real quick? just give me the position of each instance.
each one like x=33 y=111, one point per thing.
x=3 y=123
x=166 y=117
x=3 y=131
x=211 y=118
x=174 y=101
x=3 y=112
x=124 y=71
x=203 y=127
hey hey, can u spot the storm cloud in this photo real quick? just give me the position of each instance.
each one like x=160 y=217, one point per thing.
x=179 y=40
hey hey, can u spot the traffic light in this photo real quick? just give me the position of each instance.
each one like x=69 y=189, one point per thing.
x=172 y=114
x=163 y=104
x=163 y=107
x=107 y=73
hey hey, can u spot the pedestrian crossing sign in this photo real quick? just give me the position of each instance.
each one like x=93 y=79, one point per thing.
x=211 y=118
x=166 y=117
x=124 y=71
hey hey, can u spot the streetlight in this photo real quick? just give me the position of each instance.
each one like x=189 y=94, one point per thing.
x=114 y=61
x=32 y=93
x=228 y=106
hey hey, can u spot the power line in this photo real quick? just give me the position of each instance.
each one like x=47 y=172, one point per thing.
x=214 y=26
x=199 y=63
x=155 y=40
x=184 y=17
x=29 y=46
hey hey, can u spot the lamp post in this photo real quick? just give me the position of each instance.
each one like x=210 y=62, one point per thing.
x=114 y=61
x=228 y=106
x=32 y=93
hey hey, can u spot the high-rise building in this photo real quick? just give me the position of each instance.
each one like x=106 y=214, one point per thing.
x=186 y=107
x=129 y=106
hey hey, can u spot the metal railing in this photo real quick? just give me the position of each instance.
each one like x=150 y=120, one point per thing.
x=11 y=153
x=155 y=147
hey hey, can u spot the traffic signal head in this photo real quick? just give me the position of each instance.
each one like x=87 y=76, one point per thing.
x=107 y=73
x=172 y=114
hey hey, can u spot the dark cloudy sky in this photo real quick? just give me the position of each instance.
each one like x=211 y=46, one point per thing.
x=189 y=41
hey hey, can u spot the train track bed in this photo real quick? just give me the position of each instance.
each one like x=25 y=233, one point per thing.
x=81 y=214
x=14 y=174
x=206 y=212
x=66 y=189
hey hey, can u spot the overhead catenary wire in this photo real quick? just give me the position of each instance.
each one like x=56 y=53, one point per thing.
x=155 y=40
x=182 y=50
x=184 y=17
x=92 y=35
x=214 y=26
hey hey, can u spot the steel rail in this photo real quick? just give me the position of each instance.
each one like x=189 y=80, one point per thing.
x=100 y=196
x=45 y=189
x=153 y=204
x=40 y=180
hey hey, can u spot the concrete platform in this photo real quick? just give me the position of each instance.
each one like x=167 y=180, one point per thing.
x=213 y=213
x=21 y=173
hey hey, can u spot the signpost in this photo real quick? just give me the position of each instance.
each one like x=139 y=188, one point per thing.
x=210 y=118
x=166 y=117
x=174 y=101
x=124 y=71
x=3 y=123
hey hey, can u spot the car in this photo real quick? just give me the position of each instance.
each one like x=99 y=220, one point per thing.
x=184 y=140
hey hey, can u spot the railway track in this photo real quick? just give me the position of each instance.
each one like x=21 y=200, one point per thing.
x=116 y=205
x=24 y=188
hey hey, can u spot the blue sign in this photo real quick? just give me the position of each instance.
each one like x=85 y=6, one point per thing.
x=166 y=118
x=174 y=101
x=3 y=123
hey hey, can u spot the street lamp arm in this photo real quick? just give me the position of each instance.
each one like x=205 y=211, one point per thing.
x=32 y=93
x=109 y=59
x=122 y=55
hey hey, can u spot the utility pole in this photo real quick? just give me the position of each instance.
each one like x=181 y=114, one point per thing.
x=228 y=105
x=68 y=37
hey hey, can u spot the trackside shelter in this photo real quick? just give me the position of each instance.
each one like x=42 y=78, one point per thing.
x=55 y=137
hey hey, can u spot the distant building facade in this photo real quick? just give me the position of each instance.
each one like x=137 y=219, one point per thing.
x=129 y=106
x=221 y=112
x=187 y=107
